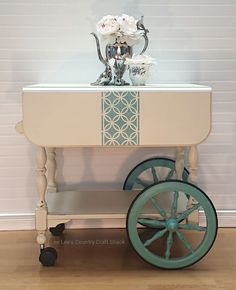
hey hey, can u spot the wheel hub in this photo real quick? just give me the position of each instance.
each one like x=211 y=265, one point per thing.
x=172 y=225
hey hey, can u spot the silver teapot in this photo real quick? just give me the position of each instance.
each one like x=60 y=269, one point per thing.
x=114 y=61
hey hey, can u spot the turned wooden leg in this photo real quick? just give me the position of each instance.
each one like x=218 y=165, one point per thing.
x=192 y=178
x=51 y=170
x=193 y=161
x=41 y=210
x=179 y=162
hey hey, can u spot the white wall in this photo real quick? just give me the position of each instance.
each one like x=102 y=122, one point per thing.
x=48 y=41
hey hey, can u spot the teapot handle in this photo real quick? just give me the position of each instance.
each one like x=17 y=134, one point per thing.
x=145 y=43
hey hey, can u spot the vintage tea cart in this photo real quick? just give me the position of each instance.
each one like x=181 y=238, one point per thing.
x=160 y=199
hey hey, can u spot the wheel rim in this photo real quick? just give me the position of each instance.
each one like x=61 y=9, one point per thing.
x=168 y=247
x=152 y=171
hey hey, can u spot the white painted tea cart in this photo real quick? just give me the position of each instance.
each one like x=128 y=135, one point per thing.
x=160 y=199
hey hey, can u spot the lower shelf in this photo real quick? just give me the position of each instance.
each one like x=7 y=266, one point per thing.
x=89 y=204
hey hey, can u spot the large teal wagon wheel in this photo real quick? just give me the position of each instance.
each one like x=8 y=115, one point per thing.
x=152 y=171
x=177 y=244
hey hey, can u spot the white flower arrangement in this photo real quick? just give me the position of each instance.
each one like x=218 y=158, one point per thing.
x=119 y=29
x=140 y=59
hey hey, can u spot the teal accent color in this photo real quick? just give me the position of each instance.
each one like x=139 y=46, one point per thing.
x=186 y=213
x=185 y=241
x=173 y=231
x=172 y=225
x=192 y=227
x=155 y=237
x=174 y=204
x=169 y=243
x=120 y=118
x=134 y=180
x=159 y=209
x=150 y=222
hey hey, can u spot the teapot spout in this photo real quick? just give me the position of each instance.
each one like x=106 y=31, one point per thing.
x=99 y=49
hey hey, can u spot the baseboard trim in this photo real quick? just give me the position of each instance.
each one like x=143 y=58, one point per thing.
x=226 y=218
x=25 y=221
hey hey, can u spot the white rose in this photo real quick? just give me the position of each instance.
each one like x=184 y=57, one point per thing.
x=119 y=28
x=108 y=25
x=127 y=24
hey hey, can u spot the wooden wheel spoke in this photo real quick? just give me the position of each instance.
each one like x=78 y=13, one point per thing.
x=151 y=222
x=158 y=207
x=170 y=174
x=155 y=237
x=141 y=182
x=169 y=243
x=187 y=212
x=192 y=227
x=174 y=204
x=154 y=175
x=184 y=241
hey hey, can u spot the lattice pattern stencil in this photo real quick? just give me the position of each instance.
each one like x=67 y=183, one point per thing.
x=120 y=118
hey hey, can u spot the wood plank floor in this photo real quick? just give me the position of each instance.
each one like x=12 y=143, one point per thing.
x=109 y=264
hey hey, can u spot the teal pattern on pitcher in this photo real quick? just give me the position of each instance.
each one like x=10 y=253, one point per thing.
x=120 y=118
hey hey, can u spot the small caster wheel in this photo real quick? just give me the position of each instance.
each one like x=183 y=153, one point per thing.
x=48 y=256
x=58 y=230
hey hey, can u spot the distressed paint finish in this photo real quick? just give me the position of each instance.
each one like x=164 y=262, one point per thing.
x=80 y=116
x=51 y=169
x=62 y=118
x=41 y=183
x=179 y=162
x=157 y=115
x=193 y=178
x=174 y=118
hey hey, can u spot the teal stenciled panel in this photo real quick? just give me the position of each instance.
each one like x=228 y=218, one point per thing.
x=120 y=118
